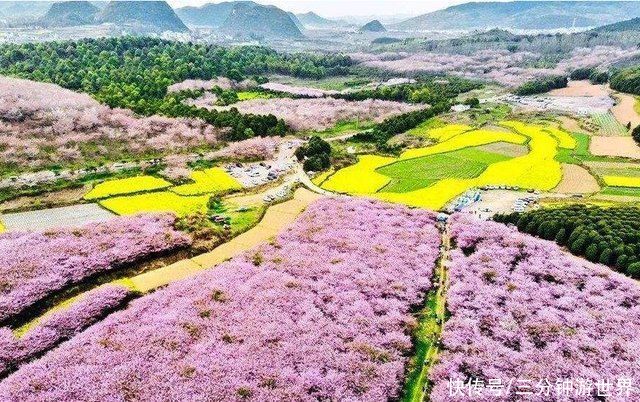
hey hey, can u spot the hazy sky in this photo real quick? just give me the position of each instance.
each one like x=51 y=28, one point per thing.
x=336 y=8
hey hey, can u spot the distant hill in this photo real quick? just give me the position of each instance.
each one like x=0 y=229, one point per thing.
x=209 y=15
x=296 y=21
x=250 y=20
x=69 y=13
x=313 y=20
x=23 y=11
x=622 y=26
x=148 y=15
x=524 y=15
x=373 y=26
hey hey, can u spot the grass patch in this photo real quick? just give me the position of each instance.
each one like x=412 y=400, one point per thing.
x=126 y=186
x=622 y=191
x=344 y=127
x=249 y=95
x=413 y=174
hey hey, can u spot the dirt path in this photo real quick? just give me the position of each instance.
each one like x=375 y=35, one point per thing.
x=625 y=111
x=428 y=334
x=274 y=220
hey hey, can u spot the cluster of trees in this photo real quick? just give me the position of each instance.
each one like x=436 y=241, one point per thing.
x=542 y=85
x=609 y=236
x=429 y=90
x=316 y=155
x=384 y=131
x=590 y=73
x=627 y=80
x=134 y=72
x=636 y=134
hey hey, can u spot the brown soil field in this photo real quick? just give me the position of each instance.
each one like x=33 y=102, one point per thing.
x=576 y=180
x=505 y=148
x=625 y=111
x=46 y=200
x=581 y=88
x=615 y=146
x=569 y=124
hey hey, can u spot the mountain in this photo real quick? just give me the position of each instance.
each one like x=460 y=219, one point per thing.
x=524 y=15
x=69 y=13
x=313 y=20
x=622 y=26
x=23 y=11
x=209 y=15
x=250 y=20
x=148 y=15
x=373 y=26
x=296 y=21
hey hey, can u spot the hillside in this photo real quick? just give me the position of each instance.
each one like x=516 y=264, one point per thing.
x=313 y=20
x=209 y=15
x=250 y=20
x=524 y=15
x=148 y=15
x=622 y=26
x=20 y=10
x=69 y=13
x=296 y=21
x=373 y=26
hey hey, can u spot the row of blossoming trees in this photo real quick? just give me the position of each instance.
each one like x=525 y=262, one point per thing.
x=324 y=312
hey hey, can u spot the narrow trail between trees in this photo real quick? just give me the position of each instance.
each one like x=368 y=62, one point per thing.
x=431 y=318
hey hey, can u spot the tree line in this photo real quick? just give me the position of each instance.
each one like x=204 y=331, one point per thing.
x=610 y=236
x=542 y=85
x=382 y=132
x=626 y=80
x=134 y=73
x=427 y=90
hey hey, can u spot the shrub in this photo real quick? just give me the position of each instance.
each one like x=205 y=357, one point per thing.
x=636 y=134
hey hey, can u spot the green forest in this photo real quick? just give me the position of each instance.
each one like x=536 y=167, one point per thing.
x=134 y=73
x=610 y=236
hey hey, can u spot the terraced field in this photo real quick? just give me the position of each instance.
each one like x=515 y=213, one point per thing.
x=608 y=125
x=181 y=200
x=126 y=186
x=214 y=180
x=413 y=174
x=433 y=176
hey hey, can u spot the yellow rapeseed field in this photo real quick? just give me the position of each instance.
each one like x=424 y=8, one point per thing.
x=441 y=133
x=622 y=181
x=209 y=181
x=465 y=140
x=163 y=201
x=360 y=178
x=538 y=169
x=565 y=140
x=130 y=185
x=319 y=179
